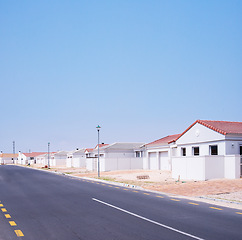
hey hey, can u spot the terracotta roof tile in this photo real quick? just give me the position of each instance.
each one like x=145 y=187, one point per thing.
x=163 y=140
x=34 y=154
x=9 y=155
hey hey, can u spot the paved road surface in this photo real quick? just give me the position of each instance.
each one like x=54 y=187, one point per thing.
x=37 y=205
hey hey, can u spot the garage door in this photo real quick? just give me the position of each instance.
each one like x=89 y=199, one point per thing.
x=164 y=161
x=153 y=163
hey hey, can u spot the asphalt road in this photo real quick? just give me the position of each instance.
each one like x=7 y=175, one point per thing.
x=38 y=205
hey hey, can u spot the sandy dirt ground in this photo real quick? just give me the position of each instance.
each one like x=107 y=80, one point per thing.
x=222 y=192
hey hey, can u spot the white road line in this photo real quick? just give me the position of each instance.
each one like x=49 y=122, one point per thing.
x=146 y=219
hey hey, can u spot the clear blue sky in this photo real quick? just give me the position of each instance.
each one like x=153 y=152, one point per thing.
x=140 y=69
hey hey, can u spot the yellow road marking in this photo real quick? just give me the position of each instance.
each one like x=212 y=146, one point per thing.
x=174 y=199
x=1 y=205
x=159 y=196
x=125 y=189
x=12 y=223
x=7 y=216
x=135 y=191
x=193 y=203
x=239 y=212
x=110 y=186
x=216 y=208
x=146 y=193
x=116 y=187
x=19 y=233
x=4 y=209
x=97 y=183
x=104 y=184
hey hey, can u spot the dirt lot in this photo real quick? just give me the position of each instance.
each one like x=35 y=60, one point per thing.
x=221 y=192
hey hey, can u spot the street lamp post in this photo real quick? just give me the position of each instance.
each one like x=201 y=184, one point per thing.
x=98 y=164
x=48 y=155
x=2 y=162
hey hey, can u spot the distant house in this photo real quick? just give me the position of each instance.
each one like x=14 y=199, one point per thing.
x=28 y=158
x=157 y=155
x=8 y=158
x=208 y=149
x=76 y=158
x=58 y=158
x=116 y=156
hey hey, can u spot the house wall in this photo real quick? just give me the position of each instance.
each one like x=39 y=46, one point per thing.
x=59 y=161
x=233 y=145
x=206 y=167
x=111 y=164
x=204 y=148
x=198 y=134
x=188 y=168
x=78 y=162
x=232 y=166
x=118 y=154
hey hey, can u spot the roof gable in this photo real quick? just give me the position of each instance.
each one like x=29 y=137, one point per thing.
x=222 y=127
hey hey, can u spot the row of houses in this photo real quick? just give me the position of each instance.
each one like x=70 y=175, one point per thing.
x=205 y=150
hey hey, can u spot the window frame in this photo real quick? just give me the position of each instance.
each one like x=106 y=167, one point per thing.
x=211 y=151
x=193 y=151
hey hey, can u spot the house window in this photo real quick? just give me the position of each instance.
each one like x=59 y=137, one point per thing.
x=137 y=154
x=214 y=150
x=183 y=151
x=196 y=151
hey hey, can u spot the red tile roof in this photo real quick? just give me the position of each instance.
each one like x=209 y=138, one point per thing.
x=9 y=155
x=34 y=154
x=223 y=127
x=101 y=145
x=88 y=149
x=163 y=140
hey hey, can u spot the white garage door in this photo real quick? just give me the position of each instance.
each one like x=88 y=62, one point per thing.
x=164 y=161
x=153 y=163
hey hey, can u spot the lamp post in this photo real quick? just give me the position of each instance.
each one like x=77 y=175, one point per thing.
x=2 y=162
x=48 y=155
x=98 y=164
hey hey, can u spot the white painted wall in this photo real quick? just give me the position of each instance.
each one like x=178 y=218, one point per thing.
x=206 y=167
x=112 y=164
x=188 y=168
x=214 y=167
x=232 y=166
x=198 y=134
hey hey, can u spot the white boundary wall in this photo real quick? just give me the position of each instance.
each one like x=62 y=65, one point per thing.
x=112 y=164
x=206 y=167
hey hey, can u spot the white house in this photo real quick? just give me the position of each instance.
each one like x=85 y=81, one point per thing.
x=8 y=158
x=116 y=156
x=58 y=158
x=157 y=155
x=207 y=150
x=76 y=158
x=28 y=158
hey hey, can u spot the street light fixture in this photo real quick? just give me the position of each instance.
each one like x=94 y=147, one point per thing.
x=48 y=155
x=98 y=165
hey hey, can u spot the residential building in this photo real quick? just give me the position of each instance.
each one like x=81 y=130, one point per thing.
x=76 y=158
x=8 y=158
x=116 y=156
x=207 y=150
